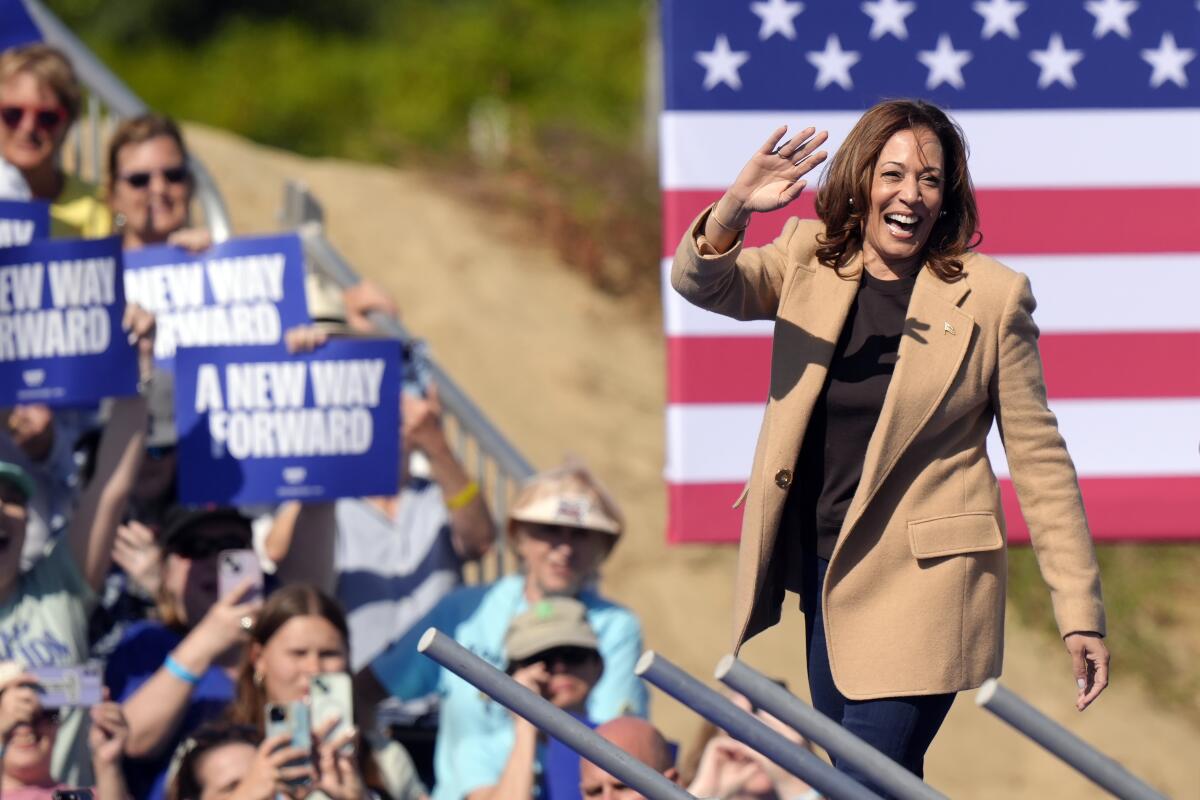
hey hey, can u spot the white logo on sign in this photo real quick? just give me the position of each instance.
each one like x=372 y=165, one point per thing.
x=294 y=475
x=34 y=377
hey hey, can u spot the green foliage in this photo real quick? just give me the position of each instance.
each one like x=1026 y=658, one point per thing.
x=1153 y=616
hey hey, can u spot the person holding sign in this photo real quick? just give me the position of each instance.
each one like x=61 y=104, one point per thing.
x=150 y=185
x=44 y=611
x=40 y=98
x=896 y=348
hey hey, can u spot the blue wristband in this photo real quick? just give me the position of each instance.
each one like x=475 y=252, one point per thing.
x=180 y=671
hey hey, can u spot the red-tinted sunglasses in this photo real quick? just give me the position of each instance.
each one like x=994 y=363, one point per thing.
x=46 y=119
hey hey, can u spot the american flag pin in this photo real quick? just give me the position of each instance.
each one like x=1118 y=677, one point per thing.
x=948 y=328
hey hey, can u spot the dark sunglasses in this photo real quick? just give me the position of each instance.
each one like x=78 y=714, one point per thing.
x=200 y=547
x=567 y=656
x=46 y=119
x=140 y=180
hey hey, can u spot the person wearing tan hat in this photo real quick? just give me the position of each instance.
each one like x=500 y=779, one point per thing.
x=552 y=651
x=562 y=525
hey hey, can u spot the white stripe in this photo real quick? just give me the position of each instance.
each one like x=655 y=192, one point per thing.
x=1130 y=438
x=1075 y=294
x=1048 y=148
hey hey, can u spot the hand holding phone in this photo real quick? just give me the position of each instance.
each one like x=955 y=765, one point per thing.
x=331 y=698
x=294 y=721
x=77 y=685
x=235 y=567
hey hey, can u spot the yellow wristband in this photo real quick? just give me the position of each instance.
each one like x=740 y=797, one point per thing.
x=464 y=497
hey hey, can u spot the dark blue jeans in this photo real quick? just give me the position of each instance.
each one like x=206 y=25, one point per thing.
x=900 y=727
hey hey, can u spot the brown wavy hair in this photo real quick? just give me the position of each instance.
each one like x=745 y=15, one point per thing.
x=844 y=198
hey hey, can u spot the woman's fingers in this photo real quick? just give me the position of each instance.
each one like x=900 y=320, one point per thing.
x=794 y=145
x=768 y=146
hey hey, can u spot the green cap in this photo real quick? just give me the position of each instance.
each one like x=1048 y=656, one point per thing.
x=17 y=477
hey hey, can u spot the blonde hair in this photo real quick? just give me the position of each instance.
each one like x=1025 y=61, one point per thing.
x=49 y=66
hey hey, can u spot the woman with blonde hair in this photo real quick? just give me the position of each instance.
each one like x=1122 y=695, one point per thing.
x=40 y=98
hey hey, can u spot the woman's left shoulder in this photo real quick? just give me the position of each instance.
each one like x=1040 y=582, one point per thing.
x=991 y=281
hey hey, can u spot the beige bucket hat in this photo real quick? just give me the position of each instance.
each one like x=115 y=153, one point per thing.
x=570 y=496
x=549 y=623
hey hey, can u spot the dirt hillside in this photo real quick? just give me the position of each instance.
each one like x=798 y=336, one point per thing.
x=562 y=368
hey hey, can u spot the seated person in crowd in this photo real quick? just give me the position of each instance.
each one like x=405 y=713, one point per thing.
x=225 y=761
x=301 y=633
x=150 y=185
x=639 y=739
x=562 y=525
x=177 y=671
x=724 y=767
x=44 y=611
x=394 y=556
x=28 y=732
x=553 y=652
x=40 y=98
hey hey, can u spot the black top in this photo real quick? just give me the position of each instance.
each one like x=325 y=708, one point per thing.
x=831 y=458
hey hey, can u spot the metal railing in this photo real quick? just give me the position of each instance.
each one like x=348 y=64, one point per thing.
x=486 y=454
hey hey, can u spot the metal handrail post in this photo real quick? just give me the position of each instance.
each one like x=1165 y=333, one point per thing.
x=837 y=741
x=1102 y=770
x=548 y=717
x=752 y=732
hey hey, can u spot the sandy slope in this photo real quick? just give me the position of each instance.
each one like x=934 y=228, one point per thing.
x=562 y=369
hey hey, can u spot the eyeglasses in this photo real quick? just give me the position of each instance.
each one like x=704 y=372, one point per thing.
x=44 y=118
x=140 y=180
x=567 y=656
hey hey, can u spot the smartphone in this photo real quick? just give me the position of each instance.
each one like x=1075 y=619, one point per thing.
x=78 y=685
x=235 y=566
x=72 y=794
x=331 y=695
x=293 y=719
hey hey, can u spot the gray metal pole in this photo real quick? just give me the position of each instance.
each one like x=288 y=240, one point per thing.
x=752 y=732
x=547 y=717
x=1101 y=769
x=837 y=741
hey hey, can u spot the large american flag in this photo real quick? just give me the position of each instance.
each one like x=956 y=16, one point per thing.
x=1084 y=125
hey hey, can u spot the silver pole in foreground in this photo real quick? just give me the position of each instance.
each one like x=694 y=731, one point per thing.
x=547 y=717
x=1101 y=769
x=839 y=742
x=721 y=712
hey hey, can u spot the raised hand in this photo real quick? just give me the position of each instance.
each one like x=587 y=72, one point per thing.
x=268 y=775
x=772 y=177
x=108 y=733
x=137 y=552
x=338 y=775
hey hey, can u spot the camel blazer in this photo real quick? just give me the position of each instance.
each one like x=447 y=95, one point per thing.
x=914 y=595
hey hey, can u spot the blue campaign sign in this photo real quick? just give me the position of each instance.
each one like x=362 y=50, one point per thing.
x=22 y=222
x=61 y=341
x=260 y=425
x=16 y=26
x=245 y=291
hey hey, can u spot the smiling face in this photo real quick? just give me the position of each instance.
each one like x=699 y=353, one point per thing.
x=28 y=749
x=303 y=647
x=30 y=143
x=152 y=188
x=558 y=559
x=905 y=200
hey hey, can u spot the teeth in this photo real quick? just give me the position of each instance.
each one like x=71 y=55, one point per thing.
x=903 y=218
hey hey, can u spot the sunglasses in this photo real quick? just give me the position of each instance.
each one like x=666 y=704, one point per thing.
x=45 y=119
x=567 y=656
x=140 y=180
x=201 y=547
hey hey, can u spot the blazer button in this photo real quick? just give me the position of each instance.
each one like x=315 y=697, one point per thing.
x=783 y=478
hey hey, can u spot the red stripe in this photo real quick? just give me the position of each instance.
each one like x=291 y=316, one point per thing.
x=1016 y=221
x=735 y=369
x=1119 y=510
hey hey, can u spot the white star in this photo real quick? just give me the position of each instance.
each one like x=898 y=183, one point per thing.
x=1000 y=16
x=1057 y=63
x=945 y=63
x=833 y=64
x=1112 y=16
x=1168 y=61
x=721 y=64
x=778 y=16
x=887 y=16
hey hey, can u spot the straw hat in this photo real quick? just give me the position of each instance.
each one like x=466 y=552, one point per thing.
x=569 y=496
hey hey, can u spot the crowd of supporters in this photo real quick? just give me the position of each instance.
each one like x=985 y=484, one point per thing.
x=203 y=684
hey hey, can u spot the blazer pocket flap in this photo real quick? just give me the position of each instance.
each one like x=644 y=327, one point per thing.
x=952 y=534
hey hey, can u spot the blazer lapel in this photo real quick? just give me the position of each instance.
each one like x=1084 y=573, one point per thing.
x=936 y=336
